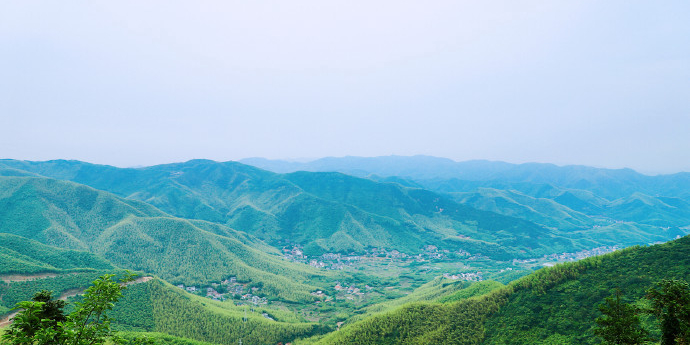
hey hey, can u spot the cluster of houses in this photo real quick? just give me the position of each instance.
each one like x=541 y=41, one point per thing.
x=256 y=300
x=294 y=254
x=432 y=252
x=322 y=297
x=338 y=261
x=384 y=253
x=583 y=254
x=351 y=290
x=328 y=261
x=471 y=276
x=550 y=260
x=429 y=253
x=232 y=288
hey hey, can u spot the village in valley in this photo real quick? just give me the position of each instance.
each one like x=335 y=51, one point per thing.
x=229 y=289
x=458 y=264
x=399 y=274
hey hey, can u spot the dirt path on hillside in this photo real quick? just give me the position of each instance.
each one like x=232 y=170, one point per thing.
x=73 y=292
x=25 y=277
x=140 y=280
x=7 y=320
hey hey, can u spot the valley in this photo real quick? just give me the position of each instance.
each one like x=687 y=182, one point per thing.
x=226 y=251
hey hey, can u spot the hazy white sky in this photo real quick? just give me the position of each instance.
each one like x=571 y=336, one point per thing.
x=603 y=83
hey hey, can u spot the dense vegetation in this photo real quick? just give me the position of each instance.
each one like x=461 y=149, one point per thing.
x=135 y=235
x=564 y=309
x=458 y=322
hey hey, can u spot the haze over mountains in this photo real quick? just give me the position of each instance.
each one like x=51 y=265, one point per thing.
x=395 y=230
x=609 y=183
x=563 y=197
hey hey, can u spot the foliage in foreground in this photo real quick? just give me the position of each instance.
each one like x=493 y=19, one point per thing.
x=620 y=323
x=671 y=305
x=42 y=320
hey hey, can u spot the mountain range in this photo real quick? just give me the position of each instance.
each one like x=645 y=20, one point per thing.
x=200 y=223
x=607 y=183
x=333 y=212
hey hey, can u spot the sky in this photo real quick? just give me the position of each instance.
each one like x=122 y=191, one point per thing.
x=131 y=83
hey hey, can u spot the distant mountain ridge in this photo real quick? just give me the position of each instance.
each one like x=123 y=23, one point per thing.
x=609 y=183
x=566 y=197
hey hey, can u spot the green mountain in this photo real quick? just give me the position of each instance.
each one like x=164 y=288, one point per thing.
x=641 y=208
x=538 y=210
x=560 y=211
x=325 y=212
x=137 y=236
x=639 y=219
x=554 y=305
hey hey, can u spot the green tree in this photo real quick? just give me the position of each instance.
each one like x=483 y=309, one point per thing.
x=44 y=312
x=671 y=304
x=52 y=309
x=619 y=323
x=42 y=322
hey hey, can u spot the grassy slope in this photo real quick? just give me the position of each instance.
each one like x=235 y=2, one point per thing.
x=438 y=290
x=138 y=236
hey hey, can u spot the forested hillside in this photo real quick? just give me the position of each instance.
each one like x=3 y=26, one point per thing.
x=137 y=236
